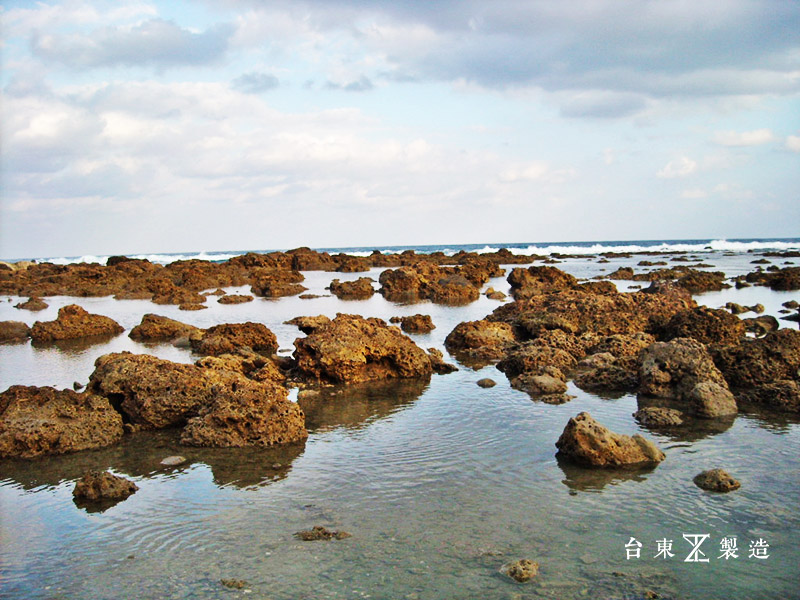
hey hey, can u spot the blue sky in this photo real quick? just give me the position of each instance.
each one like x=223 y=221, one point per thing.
x=134 y=127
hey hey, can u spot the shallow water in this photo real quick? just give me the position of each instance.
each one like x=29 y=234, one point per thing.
x=439 y=483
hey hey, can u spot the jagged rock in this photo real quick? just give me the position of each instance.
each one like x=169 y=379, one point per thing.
x=716 y=480
x=532 y=357
x=33 y=303
x=616 y=375
x=14 y=332
x=230 y=337
x=273 y=283
x=752 y=362
x=360 y=289
x=762 y=325
x=437 y=362
x=480 y=340
x=521 y=571
x=318 y=532
x=783 y=396
x=36 y=421
x=655 y=417
x=352 y=349
x=250 y=364
x=706 y=325
x=155 y=328
x=235 y=299
x=586 y=442
x=416 y=324
x=673 y=369
x=539 y=280
x=425 y=281
x=309 y=324
x=74 y=322
x=622 y=344
x=100 y=486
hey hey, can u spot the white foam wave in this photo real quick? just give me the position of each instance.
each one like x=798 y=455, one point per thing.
x=711 y=246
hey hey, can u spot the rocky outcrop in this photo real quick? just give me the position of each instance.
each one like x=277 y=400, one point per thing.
x=155 y=328
x=656 y=417
x=33 y=303
x=37 y=421
x=716 y=480
x=425 y=281
x=780 y=396
x=753 y=362
x=706 y=325
x=74 y=322
x=360 y=289
x=539 y=280
x=309 y=324
x=782 y=280
x=102 y=486
x=610 y=375
x=228 y=338
x=14 y=332
x=415 y=323
x=274 y=283
x=480 y=340
x=353 y=349
x=586 y=442
x=531 y=357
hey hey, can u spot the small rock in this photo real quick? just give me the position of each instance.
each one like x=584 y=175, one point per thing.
x=97 y=486
x=321 y=533
x=654 y=417
x=716 y=480
x=173 y=461
x=77 y=385
x=34 y=303
x=522 y=570
x=486 y=382
x=234 y=584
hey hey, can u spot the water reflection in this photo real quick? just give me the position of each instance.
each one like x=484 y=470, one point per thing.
x=355 y=406
x=75 y=346
x=692 y=429
x=587 y=479
x=139 y=455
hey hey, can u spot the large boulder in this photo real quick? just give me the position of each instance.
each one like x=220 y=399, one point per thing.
x=480 y=340
x=14 y=332
x=36 y=421
x=230 y=337
x=673 y=369
x=753 y=362
x=426 y=281
x=74 y=322
x=532 y=357
x=781 y=396
x=539 y=280
x=155 y=328
x=276 y=282
x=360 y=289
x=706 y=325
x=353 y=349
x=587 y=442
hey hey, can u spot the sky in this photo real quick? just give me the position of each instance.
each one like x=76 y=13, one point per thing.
x=149 y=127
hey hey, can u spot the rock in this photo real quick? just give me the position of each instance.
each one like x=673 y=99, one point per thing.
x=309 y=324
x=173 y=461
x=77 y=386
x=486 y=383
x=192 y=306
x=706 y=325
x=276 y=282
x=762 y=325
x=74 y=322
x=547 y=384
x=417 y=324
x=716 y=480
x=353 y=349
x=234 y=584
x=14 y=332
x=494 y=294
x=621 y=344
x=425 y=281
x=539 y=280
x=155 y=328
x=37 y=421
x=360 y=289
x=736 y=309
x=437 y=362
x=586 y=442
x=321 y=533
x=617 y=375
x=99 y=486
x=793 y=304
x=756 y=308
x=33 y=303
x=235 y=299
x=709 y=400
x=480 y=340
x=783 y=396
x=522 y=570
x=752 y=362
x=673 y=369
x=250 y=364
x=532 y=357
x=697 y=282
x=231 y=337
x=657 y=417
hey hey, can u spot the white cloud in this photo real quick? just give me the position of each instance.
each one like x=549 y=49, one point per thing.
x=682 y=166
x=793 y=143
x=756 y=137
x=694 y=194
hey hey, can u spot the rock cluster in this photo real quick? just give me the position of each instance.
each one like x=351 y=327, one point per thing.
x=74 y=322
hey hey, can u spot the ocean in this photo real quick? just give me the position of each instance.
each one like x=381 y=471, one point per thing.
x=440 y=483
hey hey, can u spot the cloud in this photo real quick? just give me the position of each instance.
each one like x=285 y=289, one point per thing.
x=255 y=83
x=757 y=137
x=362 y=84
x=793 y=143
x=601 y=104
x=155 y=42
x=694 y=194
x=682 y=166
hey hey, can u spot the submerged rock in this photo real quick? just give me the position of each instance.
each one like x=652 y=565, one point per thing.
x=486 y=383
x=34 y=303
x=522 y=570
x=716 y=480
x=74 y=322
x=37 y=421
x=100 y=486
x=318 y=532
x=586 y=442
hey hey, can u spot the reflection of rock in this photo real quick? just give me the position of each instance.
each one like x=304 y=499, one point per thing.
x=354 y=406
x=587 y=442
x=14 y=332
x=716 y=480
x=781 y=396
x=353 y=349
x=101 y=489
x=74 y=322
x=588 y=479
x=36 y=421
x=155 y=328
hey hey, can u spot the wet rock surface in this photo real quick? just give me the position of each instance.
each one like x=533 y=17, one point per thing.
x=74 y=322
x=14 y=332
x=230 y=337
x=155 y=328
x=37 y=421
x=318 y=532
x=521 y=571
x=360 y=289
x=587 y=442
x=33 y=303
x=656 y=417
x=102 y=486
x=716 y=480
x=480 y=340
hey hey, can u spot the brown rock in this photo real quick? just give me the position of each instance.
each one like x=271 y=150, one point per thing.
x=480 y=340
x=673 y=369
x=762 y=325
x=486 y=383
x=228 y=338
x=33 y=303
x=192 y=306
x=99 y=486
x=522 y=570
x=706 y=325
x=310 y=324
x=354 y=349
x=417 y=324
x=539 y=280
x=532 y=357
x=321 y=533
x=716 y=480
x=426 y=281
x=36 y=421
x=622 y=344
x=235 y=299
x=752 y=362
x=360 y=289
x=14 y=332
x=155 y=328
x=437 y=362
x=783 y=396
x=250 y=364
x=74 y=322
x=586 y=442
x=710 y=400
x=275 y=282
x=656 y=417
x=617 y=375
